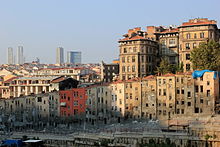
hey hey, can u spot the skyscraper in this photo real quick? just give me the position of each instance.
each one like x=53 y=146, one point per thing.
x=10 y=55
x=60 y=57
x=20 y=56
x=74 y=57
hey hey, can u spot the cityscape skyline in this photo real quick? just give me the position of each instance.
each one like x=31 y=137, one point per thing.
x=39 y=39
x=150 y=74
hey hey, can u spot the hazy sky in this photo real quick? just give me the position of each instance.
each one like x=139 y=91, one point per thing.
x=90 y=26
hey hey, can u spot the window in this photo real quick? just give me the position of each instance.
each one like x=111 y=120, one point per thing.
x=196 y=88
x=208 y=93
x=182 y=102
x=123 y=77
x=130 y=95
x=187 y=56
x=178 y=111
x=187 y=67
x=134 y=49
x=164 y=81
x=75 y=103
x=133 y=58
x=128 y=59
x=159 y=92
x=178 y=91
x=149 y=58
x=128 y=68
x=164 y=112
x=150 y=68
x=123 y=59
x=142 y=58
x=182 y=111
x=123 y=68
x=182 y=91
x=202 y=35
x=133 y=68
x=187 y=46
x=208 y=83
x=170 y=97
x=188 y=94
x=142 y=68
x=194 y=45
x=172 y=41
x=159 y=81
x=164 y=92
x=163 y=42
x=188 y=36
x=146 y=104
x=201 y=101
x=159 y=112
x=189 y=104
x=125 y=50
x=201 y=78
x=201 y=88
x=39 y=99
x=195 y=36
x=126 y=95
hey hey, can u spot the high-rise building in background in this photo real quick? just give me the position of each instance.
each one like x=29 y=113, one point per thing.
x=20 y=56
x=60 y=56
x=10 y=55
x=74 y=57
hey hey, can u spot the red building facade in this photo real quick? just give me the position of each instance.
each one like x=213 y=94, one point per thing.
x=73 y=102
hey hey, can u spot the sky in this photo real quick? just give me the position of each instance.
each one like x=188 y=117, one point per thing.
x=90 y=26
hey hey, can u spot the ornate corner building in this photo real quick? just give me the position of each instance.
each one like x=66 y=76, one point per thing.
x=141 y=51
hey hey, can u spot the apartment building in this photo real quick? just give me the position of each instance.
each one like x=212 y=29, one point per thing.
x=133 y=98
x=168 y=40
x=166 y=96
x=73 y=103
x=29 y=110
x=75 y=73
x=149 y=97
x=109 y=72
x=21 y=86
x=185 y=94
x=118 y=100
x=206 y=93
x=99 y=109
x=191 y=34
x=138 y=55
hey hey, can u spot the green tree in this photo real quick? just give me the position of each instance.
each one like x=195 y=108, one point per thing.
x=179 y=67
x=164 y=67
x=206 y=56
